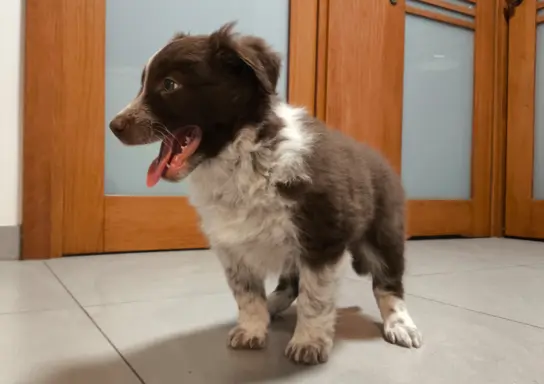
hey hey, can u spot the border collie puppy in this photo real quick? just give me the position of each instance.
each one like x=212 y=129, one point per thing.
x=274 y=187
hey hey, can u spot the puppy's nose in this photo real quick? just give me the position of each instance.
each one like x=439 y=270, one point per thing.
x=118 y=124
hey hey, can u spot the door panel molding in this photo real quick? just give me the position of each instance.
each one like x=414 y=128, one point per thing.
x=364 y=73
x=483 y=117
x=42 y=188
x=139 y=236
x=444 y=12
x=363 y=86
x=498 y=156
x=439 y=217
x=83 y=53
x=524 y=215
x=65 y=210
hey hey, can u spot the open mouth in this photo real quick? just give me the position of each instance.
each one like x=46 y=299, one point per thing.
x=173 y=155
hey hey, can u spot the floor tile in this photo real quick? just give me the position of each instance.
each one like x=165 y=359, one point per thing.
x=184 y=341
x=105 y=279
x=514 y=292
x=443 y=256
x=57 y=347
x=30 y=286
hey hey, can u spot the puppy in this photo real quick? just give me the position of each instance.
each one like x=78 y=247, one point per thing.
x=275 y=189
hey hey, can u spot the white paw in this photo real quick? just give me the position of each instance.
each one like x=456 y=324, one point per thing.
x=242 y=338
x=402 y=333
x=309 y=352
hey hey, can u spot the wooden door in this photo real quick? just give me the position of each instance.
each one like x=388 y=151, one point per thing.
x=81 y=67
x=525 y=137
x=415 y=80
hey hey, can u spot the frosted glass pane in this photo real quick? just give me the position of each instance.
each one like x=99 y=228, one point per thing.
x=538 y=170
x=135 y=29
x=437 y=110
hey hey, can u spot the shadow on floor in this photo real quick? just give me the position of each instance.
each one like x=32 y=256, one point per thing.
x=202 y=356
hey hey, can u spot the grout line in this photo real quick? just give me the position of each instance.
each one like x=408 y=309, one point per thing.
x=539 y=264
x=157 y=299
x=479 y=269
x=44 y=310
x=475 y=311
x=39 y=310
x=98 y=327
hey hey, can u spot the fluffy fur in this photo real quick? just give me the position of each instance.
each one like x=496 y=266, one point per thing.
x=275 y=190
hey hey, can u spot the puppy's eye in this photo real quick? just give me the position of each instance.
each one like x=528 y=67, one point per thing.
x=169 y=85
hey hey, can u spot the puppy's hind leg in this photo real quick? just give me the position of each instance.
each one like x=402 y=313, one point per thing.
x=286 y=291
x=386 y=240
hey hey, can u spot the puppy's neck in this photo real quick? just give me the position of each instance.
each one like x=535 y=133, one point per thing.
x=274 y=151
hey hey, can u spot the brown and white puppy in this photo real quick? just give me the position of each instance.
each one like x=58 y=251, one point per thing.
x=274 y=187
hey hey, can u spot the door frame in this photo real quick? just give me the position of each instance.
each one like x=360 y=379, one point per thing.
x=482 y=215
x=524 y=215
x=63 y=82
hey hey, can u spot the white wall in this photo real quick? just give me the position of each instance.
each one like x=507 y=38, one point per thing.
x=10 y=111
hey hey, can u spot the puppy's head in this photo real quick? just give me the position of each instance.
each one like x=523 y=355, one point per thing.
x=196 y=93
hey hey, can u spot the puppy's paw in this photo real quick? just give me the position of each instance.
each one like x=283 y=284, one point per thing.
x=403 y=334
x=310 y=352
x=243 y=338
x=278 y=302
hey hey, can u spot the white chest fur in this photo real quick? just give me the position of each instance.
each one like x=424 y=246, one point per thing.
x=235 y=194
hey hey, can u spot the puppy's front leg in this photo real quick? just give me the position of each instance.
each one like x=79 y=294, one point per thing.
x=316 y=315
x=253 y=318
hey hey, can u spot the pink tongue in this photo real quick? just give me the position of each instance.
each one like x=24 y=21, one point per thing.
x=157 y=167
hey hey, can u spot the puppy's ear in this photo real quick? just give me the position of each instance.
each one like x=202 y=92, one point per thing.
x=251 y=52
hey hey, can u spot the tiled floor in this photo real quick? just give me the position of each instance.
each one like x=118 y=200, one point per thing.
x=163 y=318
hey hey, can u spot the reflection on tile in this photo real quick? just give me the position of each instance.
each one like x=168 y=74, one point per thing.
x=96 y=280
x=184 y=341
x=514 y=293
x=57 y=347
x=443 y=256
x=30 y=286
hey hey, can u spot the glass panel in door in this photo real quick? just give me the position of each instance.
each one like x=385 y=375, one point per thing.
x=438 y=101
x=135 y=30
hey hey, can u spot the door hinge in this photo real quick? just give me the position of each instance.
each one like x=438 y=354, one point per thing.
x=510 y=8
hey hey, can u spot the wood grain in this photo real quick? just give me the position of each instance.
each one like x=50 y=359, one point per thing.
x=42 y=131
x=303 y=53
x=84 y=131
x=537 y=220
x=135 y=223
x=498 y=163
x=484 y=50
x=440 y=17
x=450 y=6
x=520 y=134
x=365 y=73
x=322 y=54
x=439 y=218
